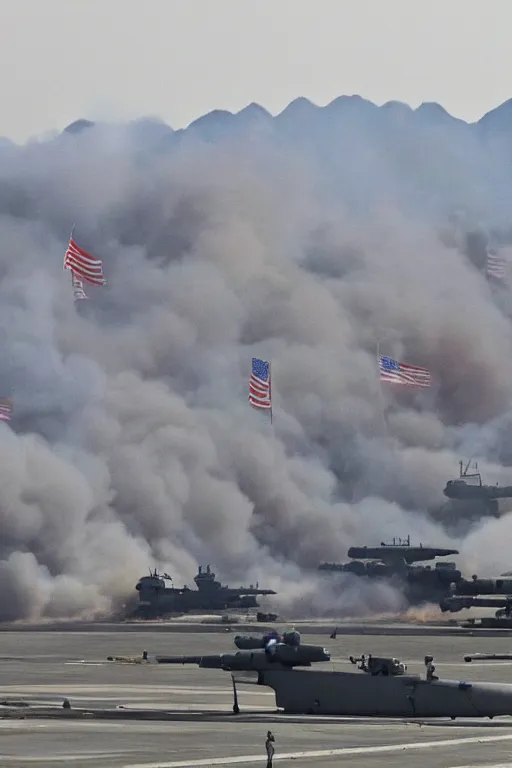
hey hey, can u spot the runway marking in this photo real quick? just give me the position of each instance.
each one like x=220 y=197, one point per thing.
x=61 y=758
x=128 y=689
x=343 y=752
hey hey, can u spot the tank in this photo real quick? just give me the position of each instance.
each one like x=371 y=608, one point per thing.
x=157 y=596
x=396 y=563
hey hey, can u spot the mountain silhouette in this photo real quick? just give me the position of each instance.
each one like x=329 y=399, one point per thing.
x=419 y=159
x=214 y=124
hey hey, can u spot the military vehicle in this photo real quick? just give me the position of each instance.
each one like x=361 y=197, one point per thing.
x=266 y=618
x=379 y=687
x=497 y=594
x=468 y=500
x=469 y=488
x=502 y=618
x=457 y=603
x=393 y=563
x=158 y=599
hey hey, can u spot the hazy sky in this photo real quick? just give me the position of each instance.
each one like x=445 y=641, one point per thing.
x=177 y=59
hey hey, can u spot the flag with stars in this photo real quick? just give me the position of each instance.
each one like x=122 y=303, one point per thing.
x=259 y=384
x=395 y=372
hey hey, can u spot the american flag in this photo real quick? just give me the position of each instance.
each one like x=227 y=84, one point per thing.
x=78 y=288
x=496 y=266
x=5 y=408
x=260 y=395
x=402 y=373
x=83 y=265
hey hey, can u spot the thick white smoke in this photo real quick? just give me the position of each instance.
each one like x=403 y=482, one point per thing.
x=133 y=443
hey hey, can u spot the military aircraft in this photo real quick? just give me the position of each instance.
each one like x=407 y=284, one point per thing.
x=379 y=687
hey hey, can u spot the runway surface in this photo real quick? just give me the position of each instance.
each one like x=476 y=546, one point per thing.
x=188 y=719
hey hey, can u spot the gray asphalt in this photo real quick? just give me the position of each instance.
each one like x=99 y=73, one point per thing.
x=194 y=724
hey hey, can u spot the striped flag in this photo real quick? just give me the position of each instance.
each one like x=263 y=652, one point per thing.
x=83 y=265
x=395 y=372
x=78 y=287
x=496 y=266
x=6 y=405
x=260 y=395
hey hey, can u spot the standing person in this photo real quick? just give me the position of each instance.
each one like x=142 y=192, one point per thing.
x=269 y=746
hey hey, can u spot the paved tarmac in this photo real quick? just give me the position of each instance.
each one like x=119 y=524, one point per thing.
x=184 y=714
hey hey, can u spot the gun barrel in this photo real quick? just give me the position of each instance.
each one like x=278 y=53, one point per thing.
x=179 y=659
x=457 y=602
x=215 y=661
x=488 y=657
x=500 y=586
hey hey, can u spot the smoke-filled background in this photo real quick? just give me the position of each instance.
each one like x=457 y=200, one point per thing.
x=303 y=241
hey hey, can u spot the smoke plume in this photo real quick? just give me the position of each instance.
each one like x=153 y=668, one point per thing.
x=132 y=442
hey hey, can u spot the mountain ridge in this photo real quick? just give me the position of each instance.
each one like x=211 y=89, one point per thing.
x=301 y=106
x=423 y=160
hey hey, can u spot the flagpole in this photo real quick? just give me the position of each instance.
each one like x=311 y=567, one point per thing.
x=71 y=271
x=70 y=238
x=270 y=389
x=381 y=396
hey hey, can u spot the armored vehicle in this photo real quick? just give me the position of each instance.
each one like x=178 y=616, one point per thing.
x=158 y=599
x=379 y=687
x=394 y=563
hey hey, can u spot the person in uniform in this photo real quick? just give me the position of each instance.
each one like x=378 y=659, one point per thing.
x=269 y=746
x=431 y=675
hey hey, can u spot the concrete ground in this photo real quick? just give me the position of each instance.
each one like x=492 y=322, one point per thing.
x=195 y=726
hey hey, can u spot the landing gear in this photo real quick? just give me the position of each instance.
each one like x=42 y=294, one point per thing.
x=236 y=708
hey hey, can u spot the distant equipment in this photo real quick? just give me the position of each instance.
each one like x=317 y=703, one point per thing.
x=156 y=598
x=469 y=488
x=393 y=562
x=497 y=594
